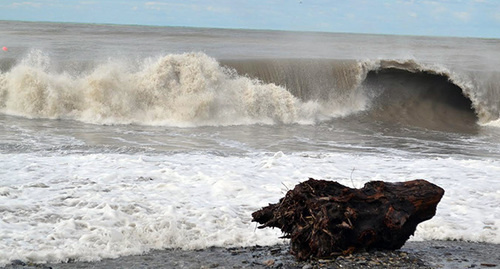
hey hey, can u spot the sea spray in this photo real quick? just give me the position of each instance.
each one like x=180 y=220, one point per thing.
x=193 y=89
x=175 y=89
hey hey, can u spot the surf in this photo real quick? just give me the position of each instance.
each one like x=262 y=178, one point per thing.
x=194 y=89
x=400 y=91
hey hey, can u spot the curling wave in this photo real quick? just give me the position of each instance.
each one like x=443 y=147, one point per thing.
x=194 y=89
x=397 y=91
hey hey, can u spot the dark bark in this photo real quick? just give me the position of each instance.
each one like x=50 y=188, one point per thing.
x=324 y=218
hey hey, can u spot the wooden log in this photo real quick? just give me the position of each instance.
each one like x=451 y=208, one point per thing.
x=324 y=218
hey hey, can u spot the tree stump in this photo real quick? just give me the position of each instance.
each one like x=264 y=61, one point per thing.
x=324 y=218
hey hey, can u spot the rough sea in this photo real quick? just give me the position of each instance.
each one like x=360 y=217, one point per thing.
x=116 y=140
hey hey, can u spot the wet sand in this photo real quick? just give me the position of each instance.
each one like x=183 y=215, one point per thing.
x=427 y=254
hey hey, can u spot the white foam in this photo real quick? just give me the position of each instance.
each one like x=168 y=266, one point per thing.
x=494 y=123
x=93 y=206
x=175 y=89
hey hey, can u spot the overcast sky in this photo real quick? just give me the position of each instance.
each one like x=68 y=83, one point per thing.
x=466 y=18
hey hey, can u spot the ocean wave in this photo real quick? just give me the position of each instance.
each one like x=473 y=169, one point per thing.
x=175 y=89
x=193 y=89
x=478 y=87
x=403 y=91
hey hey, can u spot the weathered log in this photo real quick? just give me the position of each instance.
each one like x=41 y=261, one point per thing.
x=324 y=218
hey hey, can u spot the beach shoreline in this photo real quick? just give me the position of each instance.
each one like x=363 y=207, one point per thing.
x=422 y=254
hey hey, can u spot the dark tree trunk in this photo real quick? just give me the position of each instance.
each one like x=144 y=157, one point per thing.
x=324 y=218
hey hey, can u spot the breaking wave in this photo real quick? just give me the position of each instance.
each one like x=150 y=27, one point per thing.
x=183 y=89
x=194 y=89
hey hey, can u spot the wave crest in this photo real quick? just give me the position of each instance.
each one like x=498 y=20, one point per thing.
x=193 y=89
x=176 y=89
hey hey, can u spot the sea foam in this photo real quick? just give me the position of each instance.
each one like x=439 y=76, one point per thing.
x=88 y=207
x=175 y=89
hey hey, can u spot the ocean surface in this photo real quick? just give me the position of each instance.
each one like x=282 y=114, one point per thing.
x=116 y=140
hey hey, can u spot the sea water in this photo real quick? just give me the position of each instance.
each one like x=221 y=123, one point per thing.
x=115 y=140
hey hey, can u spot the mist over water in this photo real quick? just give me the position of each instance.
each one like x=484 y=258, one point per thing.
x=115 y=140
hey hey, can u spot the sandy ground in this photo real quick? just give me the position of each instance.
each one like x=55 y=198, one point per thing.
x=427 y=254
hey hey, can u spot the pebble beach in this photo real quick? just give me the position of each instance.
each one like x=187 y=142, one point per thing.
x=424 y=254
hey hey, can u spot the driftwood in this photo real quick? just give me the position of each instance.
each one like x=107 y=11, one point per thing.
x=324 y=218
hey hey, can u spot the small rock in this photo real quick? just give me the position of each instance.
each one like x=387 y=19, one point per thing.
x=275 y=251
x=278 y=264
x=268 y=263
x=213 y=265
x=18 y=262
x=235 y=252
